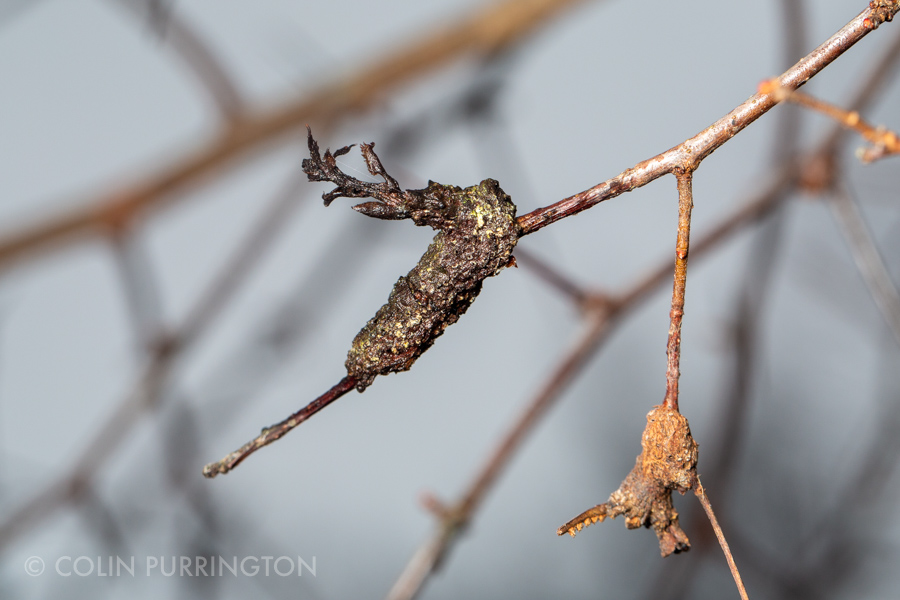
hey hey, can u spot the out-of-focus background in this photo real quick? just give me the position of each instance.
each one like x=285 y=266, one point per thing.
x=170 y=283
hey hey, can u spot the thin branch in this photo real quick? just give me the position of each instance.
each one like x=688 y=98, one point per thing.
x=867 y=258
x=673 y=579
x=455 y=519
x=707 y=507
x=430 y=555
x=673 y=346
x=553 y=277
x=690 y=153
x=140 y=287
x=277 y=431
x=884 y=141
x=197 y=55
x=149 y=390
x=866 y=93
x=484 y=32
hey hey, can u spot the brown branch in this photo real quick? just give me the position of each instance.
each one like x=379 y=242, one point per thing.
x=673 y=346
x=691 y=152
x=707 y=507
x=868 y=91
x=277 y=431
x=884 y=141
x=484 y=32
x=553 y=277
x=430 y=555
x=672 y=580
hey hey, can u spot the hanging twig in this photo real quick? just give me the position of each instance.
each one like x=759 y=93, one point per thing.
x=707 y=507
x=673 y=346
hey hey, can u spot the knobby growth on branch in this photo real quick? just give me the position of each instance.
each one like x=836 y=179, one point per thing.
x=477 y=233
x=670 y=457
x=668 y=460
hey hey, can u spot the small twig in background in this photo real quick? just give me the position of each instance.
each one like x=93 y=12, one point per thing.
x=884 y=141
x=149 y=389
x=553 y=277
x=454 y=518
x=199 y=57
x=867 y=258
x=483 y=32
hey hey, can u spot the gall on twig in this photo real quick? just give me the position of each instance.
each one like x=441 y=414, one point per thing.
x=476 y=234
x=667 y=463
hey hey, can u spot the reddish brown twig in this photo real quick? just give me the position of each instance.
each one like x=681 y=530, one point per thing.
x=864 y=95
x=430 y=554
x=690 y=153
x=673 y=346
x=277 y=431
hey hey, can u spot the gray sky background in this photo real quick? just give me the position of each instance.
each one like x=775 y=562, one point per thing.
x=91 y=98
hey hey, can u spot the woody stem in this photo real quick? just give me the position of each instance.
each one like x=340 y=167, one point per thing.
x=673 y=347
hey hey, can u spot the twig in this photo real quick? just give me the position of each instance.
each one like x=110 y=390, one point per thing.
x=429 y=556
x=197 y=55
x=673 y=346
x=149 y=389
x=277 y=431
x=704 y=501
x=885 y=142
x=484 y=32
x=690 y=153
x=76 y=480
x=673 y=579
x=867 y=258
x=140 y=288
x=552 y=277
x=248 y=253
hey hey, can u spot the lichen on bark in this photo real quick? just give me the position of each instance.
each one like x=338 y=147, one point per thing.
x=667 y=463
x=477 y=233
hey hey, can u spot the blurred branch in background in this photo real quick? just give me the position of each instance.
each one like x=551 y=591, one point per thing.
x=486 y=36
x=196 y=54
x=167 y=349
x=485 y=32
